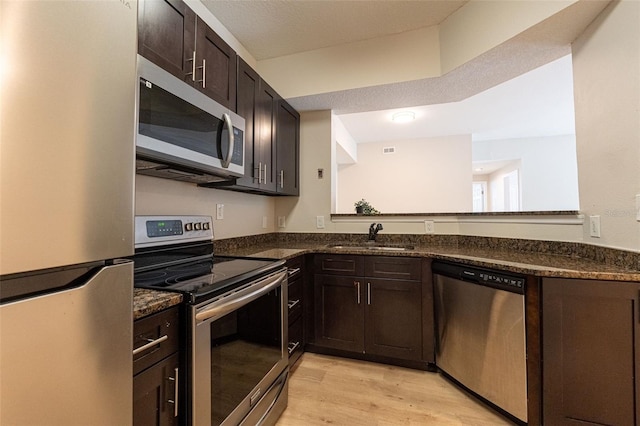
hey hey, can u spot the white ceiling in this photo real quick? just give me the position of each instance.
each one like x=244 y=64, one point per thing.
x=275 y=28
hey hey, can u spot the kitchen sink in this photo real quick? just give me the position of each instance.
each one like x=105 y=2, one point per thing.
x=374 y=246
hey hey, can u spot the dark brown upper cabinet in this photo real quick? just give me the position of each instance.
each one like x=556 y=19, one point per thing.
x=173 y=37
x=272 y=138
x=288 y=150
x=256 y=102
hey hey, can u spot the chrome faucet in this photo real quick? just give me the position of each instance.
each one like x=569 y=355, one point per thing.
x=374 y=228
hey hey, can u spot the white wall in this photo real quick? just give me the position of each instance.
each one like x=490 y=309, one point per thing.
x=606 y=63
x=346 y=146
x=423 y=175
x=316 y=153
x=360 y=64
x=548 y=169
x=243 y=213
x=479 y=26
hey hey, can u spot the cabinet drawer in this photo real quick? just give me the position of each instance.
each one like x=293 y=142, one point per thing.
x=163 y=328
x=294 y=267
x=339 y=264
x=295 y=300
x=296 y=342
x=392 y=267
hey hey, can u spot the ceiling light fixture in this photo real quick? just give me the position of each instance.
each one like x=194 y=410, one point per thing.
x=403 y=117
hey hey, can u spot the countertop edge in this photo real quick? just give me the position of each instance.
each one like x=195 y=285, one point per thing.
x=148 y=302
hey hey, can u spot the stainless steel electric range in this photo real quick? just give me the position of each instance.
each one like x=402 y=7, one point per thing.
x=235 y=310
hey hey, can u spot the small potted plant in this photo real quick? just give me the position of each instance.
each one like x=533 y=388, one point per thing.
x=363 y=207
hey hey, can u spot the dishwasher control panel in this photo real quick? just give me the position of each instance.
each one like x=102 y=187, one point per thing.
x=502 y=279
x=496 y=279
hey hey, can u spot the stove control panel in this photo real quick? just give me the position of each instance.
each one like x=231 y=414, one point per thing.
x=161 y=230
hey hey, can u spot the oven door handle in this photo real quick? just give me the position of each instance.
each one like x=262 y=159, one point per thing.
x=234 y=302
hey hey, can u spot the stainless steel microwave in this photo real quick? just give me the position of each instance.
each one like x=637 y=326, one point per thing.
x=182 y=133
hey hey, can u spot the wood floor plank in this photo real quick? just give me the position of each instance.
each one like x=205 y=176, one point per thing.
x=337 y=391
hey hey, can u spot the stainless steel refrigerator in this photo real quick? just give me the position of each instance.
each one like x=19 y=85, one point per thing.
x=67 y=93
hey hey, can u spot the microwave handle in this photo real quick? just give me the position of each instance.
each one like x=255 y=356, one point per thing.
x=227 y=123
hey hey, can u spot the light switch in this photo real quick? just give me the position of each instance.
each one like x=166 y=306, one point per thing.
x=594 y=226
x=219 y=211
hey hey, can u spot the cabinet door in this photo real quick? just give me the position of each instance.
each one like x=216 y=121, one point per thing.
x=288 y=149
x=217 y=77
x=339 y=313
x=247 y=107
x=166 y=34
x=590 y=359
x=393 y=318
x=155 y=394
x=268 y=102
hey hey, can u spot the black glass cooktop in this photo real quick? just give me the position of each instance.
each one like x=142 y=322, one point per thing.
x=203 y=278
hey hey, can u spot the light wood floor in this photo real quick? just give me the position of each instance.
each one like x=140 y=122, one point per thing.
x=328 y=390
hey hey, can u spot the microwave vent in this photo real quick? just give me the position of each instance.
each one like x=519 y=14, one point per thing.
x=389 y=150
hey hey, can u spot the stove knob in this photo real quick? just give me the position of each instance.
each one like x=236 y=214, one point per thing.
x=197 y=226
x=188 y=227
x=205 y=226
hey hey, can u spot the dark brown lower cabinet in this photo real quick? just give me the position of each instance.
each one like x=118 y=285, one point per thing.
x=339 y=313
x=157 y=383
x=154 y=394
x=374 y=315
x=590 y=356
x=393 y=318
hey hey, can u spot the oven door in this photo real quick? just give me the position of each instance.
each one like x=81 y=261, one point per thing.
x=239 y=352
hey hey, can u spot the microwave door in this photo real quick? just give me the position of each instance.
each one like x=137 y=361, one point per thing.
x=179 y=126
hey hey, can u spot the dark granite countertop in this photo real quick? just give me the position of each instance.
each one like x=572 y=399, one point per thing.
x=531 y=263
x=536 y=261
x=147 y=302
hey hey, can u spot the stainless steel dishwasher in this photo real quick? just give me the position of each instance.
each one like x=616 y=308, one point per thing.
x=480 y=340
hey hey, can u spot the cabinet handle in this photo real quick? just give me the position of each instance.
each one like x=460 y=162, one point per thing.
x=265 y=173
x=281 y=178
x=175 y=392
x=357 y=284
x=204 y=73
x=368 y=293
x=259 y=172
x=150 y=344
x=292 y=346
x=193 y=66
x=292 y=303
x=293 y=271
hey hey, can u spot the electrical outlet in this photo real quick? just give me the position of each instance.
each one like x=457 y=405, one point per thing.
x=219 y=211
x=594 y=226
x=320 y=222
x=281 y=222
x=638 y=207
x=429 y=227
x=264 y=222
